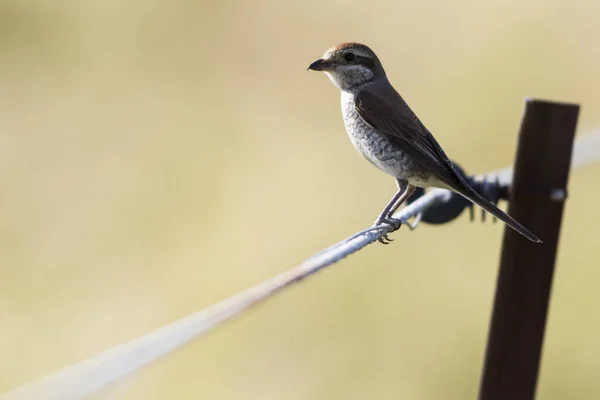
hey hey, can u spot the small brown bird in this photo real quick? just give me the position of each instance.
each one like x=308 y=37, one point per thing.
x=388 y=133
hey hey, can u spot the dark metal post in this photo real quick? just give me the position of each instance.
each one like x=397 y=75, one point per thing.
x=537 y=196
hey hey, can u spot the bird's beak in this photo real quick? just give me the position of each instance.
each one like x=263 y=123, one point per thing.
x=320 y=65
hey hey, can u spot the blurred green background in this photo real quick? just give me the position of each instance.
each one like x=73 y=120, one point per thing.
x=158 y=156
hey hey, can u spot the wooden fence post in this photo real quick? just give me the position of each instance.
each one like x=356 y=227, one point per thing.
x=537 y=196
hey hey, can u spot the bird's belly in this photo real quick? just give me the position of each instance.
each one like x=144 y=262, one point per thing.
x=380 y=152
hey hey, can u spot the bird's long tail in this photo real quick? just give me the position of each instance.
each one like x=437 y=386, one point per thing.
x=470 y=194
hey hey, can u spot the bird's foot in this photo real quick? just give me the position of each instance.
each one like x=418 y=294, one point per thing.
x=394 y=223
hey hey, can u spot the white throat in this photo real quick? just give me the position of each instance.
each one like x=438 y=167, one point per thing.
x=350 y=77
x=334 y=78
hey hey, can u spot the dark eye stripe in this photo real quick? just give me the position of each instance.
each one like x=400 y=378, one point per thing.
x=367 y=62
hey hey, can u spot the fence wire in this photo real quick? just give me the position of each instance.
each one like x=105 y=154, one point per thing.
x=94 y=374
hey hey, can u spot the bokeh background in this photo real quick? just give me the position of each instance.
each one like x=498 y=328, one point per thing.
x=158 y=156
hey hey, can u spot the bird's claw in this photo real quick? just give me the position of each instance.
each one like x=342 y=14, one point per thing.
x=385 y=239
x=394 y=223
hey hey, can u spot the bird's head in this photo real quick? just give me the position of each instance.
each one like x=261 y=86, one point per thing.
x=349 y=65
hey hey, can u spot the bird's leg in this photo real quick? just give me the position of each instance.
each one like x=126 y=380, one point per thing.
x=386 y=211
x=405 y=190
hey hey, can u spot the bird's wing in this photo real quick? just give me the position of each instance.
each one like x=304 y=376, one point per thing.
x=394 y=119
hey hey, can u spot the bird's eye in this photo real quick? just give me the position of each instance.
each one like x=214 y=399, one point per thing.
x=350 y=57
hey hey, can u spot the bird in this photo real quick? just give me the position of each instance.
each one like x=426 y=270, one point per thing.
x=386 y=131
